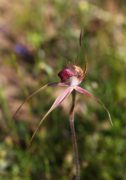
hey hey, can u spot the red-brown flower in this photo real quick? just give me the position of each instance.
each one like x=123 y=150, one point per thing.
x=71 y=75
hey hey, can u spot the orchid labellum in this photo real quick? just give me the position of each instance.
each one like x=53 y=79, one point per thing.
x=70 y=77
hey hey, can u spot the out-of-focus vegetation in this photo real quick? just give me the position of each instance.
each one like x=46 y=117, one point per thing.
x=37 y=39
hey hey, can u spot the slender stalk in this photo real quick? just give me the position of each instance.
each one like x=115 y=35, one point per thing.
x=73 y=134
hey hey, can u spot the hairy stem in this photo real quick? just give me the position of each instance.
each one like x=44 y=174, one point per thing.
x=73 y=133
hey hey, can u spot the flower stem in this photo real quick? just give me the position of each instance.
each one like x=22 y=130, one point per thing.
x=73 y=134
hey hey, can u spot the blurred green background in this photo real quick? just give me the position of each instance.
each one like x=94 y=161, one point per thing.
x=37 y=39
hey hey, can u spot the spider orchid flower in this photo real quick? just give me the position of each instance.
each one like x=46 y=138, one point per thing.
x=70 y=77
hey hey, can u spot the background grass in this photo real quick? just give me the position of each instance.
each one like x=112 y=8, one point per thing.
x=37 y=39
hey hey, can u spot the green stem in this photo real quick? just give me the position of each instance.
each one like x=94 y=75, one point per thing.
x=73 y=133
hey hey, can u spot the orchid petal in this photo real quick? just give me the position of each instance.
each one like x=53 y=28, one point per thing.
x=85 y=92
x=62 y=84
x=37 y=91
x=29 y=97
x=56 y=103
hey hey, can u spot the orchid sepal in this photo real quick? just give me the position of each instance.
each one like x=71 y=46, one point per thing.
x=56 y=103
x=85 y=92
x=60 y=84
